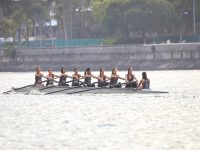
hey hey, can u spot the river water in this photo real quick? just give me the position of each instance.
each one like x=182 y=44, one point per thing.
x=103 y=121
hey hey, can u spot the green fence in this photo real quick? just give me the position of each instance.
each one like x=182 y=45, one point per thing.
x=90 y=42
x=175 y=39
x=60 y=43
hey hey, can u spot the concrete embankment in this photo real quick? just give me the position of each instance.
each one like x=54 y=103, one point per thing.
x=140 y=57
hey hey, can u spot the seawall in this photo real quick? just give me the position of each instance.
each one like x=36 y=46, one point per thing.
x=140 y=57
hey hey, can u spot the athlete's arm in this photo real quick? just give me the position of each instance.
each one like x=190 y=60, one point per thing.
x=139 y=83
x=97 y=78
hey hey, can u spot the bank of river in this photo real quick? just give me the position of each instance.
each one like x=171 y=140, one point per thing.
x=140 y=57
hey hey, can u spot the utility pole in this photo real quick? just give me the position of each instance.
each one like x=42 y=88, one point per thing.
x=194 y=15
x=181 y=29
x=27 y=31
x=71 y=18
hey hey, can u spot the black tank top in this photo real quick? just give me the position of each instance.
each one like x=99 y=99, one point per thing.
x=146 y=84
x=50 y=81
x=132 y=78
x=38 y=80
x=88 y=80
x=75 y=81
x=114 y=81
x=99 y=81
x=63 y=80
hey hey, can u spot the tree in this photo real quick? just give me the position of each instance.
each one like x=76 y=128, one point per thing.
x=98 y=12
x=187 y=6
x=139 y=16
x=11 y=26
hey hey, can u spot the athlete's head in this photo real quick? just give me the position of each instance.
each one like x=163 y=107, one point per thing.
x=88 y=71
x=144 y=75
x=76 y=70
x=130 y=70
x=63 y=70
x=50 y=70
x=38 y=68
x=102 y=71
x=114 y=70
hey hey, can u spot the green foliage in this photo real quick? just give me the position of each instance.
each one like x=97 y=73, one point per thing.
x=139 y=16
x=109 y=42
x=187 y=6
x=129 y=40
x=9 y=51
x=153 y=48
x=98 y=12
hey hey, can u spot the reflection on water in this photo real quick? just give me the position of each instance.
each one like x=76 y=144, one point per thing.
x=103 y=121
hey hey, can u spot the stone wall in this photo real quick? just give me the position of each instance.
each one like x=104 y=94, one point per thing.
x=140 y=57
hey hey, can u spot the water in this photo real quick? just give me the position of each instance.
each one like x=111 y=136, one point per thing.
x=96 y=122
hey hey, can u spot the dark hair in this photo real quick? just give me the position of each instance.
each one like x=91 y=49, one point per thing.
x=144 y=75
x=101 y=70
x=37 y=67
x=88 y=69
x=75 y=69
x=129 y=69
x=50 y=69
x=114 y=69
x=62 y=69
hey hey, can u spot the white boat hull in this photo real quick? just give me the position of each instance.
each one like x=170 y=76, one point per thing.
x=87 y=90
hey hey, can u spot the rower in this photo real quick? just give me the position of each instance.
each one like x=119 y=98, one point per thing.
x=88 y=76
x=38 y=77
x=144 y=82
x=115 y=77
x=76 y=77
x=103 y=77
x=51 y=75
x=130 y=77
x=63 y=77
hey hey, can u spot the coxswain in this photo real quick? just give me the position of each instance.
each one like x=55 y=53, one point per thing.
x=103 y=77
x=76 y=77
x=115 y=77
x=88 y=76
x=38 y=77
x=51 y=75
x=63 y=77
x=130 y=77
x=144 y=82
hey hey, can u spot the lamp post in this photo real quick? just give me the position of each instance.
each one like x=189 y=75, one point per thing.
x=185 y=13
x=194 y=15
x=71 y=18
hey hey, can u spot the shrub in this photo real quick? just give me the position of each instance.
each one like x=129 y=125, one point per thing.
x=109 y=42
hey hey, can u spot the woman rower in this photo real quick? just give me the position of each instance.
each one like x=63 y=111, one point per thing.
x=76 y=78
x=130 y=77
x=103 y=77
x=38 y=77
x=115 y=77
x=51 y=75
x=88 y=76
x=144 y=82
x=63 y=77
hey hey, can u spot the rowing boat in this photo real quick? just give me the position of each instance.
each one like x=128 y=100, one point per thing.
x=89 y=90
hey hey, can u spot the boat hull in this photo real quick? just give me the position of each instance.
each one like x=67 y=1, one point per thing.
x=84 y=90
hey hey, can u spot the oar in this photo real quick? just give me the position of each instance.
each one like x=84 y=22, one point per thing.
x=53 y=86
x=95 y=88
x=98 y=82
x=90 y=89
x=23 y=87
x=64 y=90
x=68 y=88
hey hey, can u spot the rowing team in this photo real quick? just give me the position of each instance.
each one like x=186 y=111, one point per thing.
x=131 y=80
